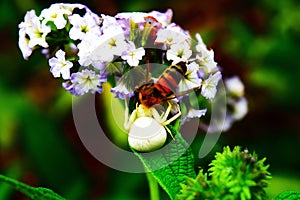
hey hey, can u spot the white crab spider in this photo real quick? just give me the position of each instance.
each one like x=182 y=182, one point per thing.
x=147 y=128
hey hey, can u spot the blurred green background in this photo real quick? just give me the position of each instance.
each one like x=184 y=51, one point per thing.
x=257 y=40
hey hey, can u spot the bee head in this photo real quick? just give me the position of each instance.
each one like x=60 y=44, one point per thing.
x=145 y=95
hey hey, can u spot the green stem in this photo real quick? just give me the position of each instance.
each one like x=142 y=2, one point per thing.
x=153 y=187
x=26 y=189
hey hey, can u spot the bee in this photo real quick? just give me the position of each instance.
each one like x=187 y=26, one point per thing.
x=164 y=88
x=147 y=127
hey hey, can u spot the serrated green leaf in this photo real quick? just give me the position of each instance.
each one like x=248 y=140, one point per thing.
x=181 y=164
x=35 y=193
x=288 y=195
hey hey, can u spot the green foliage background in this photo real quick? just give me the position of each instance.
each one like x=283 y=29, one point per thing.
x=257 y=40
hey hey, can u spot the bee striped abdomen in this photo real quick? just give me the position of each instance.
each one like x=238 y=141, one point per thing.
x=169 y=80
x=151 y=93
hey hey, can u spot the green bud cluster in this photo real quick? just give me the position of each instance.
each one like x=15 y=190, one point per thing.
x=235 y=174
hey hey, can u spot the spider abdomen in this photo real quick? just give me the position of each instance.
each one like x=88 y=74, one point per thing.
x=146 y=134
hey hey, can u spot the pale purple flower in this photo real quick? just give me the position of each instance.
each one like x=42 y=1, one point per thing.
x=69 y=86
x=84 y=82
x=60 y=66
x=121 y=91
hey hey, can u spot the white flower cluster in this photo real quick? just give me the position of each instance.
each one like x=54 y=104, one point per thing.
x=84 y=49
x=59 y=32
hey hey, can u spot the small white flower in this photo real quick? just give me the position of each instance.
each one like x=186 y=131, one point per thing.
x=179 y=52
x=191 y=79
x=60 y=66
x=112 y=42
x=240 y=108
x=29 y=18
x=168 y=37
x=235 y=86
x=133 y=56
x=109 y=22
x=71 y=6
x=238 y=112
x=85 y=81
x=193 y=113
x=139 y=17
x=55 y=14
x=228 y=121
x=86 y=48
x=206 y=61
x=83 y=25
x=92 y=51
x=23 y=44
x=171 y=34
x=200 y=46
x=205 y=57
x=24 y=27
x=209 y=86
x=37 y=34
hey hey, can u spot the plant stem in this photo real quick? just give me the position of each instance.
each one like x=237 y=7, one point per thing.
x=153 y=187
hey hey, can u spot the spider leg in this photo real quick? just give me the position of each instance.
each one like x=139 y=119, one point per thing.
x=129 y=122
x=156 y=115
x=164 y=118
x=161 y=117
x=169 y=131
x=174 y=117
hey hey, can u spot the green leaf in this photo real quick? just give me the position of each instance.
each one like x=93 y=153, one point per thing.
x=35 y=193
x=288 y=195
x=177 y=161
x=114 y=67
